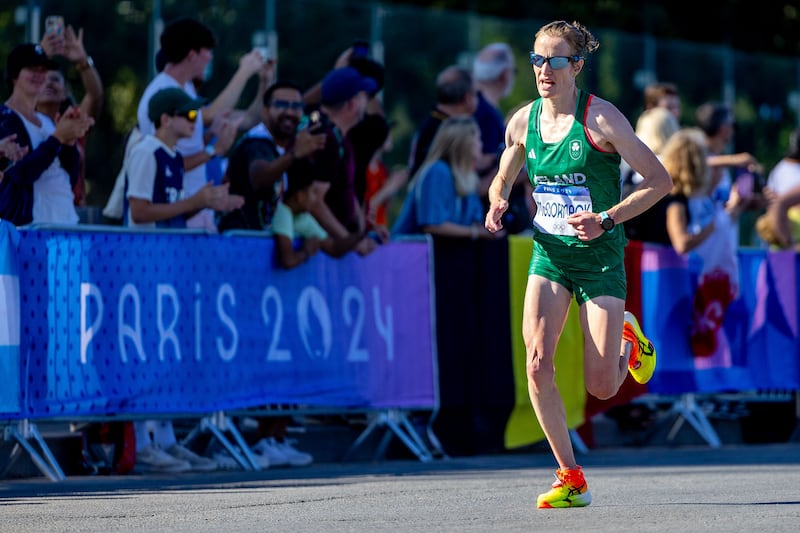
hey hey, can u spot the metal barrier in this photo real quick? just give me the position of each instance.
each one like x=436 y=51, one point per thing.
x=120 y=323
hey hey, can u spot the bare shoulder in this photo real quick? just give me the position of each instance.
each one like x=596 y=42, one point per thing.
x=517 y=127
x=606 y=123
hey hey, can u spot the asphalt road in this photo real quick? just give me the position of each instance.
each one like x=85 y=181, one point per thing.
x=737 y=488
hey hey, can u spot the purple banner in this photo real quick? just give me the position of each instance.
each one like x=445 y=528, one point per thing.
x=756 y=345
x=123 y=322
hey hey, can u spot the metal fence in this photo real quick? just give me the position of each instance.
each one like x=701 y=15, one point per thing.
x=414 y=44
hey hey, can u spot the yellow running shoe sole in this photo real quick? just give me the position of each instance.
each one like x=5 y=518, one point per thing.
x=643 y=365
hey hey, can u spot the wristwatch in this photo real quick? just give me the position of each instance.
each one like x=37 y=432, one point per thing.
x=606 y=222
x=209 y=149
x=89 y=63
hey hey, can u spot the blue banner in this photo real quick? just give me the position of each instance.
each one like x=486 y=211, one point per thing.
x=143 y=323
x=9 y=320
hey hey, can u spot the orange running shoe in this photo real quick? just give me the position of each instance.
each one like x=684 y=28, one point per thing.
x=569 y=490
x=642 y=363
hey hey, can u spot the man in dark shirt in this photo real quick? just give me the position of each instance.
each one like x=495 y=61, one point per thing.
x=259 y=162
x=344 y=96
x=455 y=96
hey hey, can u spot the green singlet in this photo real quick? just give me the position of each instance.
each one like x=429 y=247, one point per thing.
x=569 y=176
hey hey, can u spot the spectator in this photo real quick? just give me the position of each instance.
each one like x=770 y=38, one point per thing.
x=55 y=97
x=37 y=187
x=780 y=225
x=443 y=195
x=785 y=175
x=370 y=138
x=455 y=97
x=734 y=176
x=257 y=171
x=495 y=72
x=697 y=224
x=187 y=48
x=663 y=94
x=366 y=136
x=654 y=128
x=690 y=213
x=259 y=161
x=156 y=196
x=381 y=183
x=293 y=221
x=345 y=93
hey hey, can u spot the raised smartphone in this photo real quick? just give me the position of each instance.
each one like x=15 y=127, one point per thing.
x=54 y=24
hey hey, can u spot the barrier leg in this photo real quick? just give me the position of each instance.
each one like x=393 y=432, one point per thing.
x=217 y=424
x=16 y=453
x=433 y=439
x=224 y=422
x=371 y=427
x=412 y=433
x=396 y=423
x=21 y=434
x=411 y=438
x=687 y=410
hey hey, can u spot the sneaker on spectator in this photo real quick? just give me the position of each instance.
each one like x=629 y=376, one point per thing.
x=225 y=461
x=223 y=456
x=293 y=455
x=154 y=459
x=262 y=460
x=197 y=462
x=270 y=448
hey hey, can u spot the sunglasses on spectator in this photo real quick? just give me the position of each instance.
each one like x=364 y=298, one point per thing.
x=190 y=115
x=285 y=104
x=555 y=62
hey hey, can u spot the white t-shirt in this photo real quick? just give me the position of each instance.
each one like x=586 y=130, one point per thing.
x=194 y=179
x=784 y=177
x=142 y=171
x=53 y=201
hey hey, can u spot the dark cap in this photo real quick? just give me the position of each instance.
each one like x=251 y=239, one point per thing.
x=27 y=56
x=370 y=68
x=341 y=84
x=171 y=101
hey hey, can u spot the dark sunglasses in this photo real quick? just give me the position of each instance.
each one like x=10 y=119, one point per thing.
x=555 y=62
x=285 y=104
x=190 y=115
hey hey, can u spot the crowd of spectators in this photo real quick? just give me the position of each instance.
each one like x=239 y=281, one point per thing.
x=306 y=165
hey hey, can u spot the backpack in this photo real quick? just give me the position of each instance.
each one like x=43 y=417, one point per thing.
x=109 y=448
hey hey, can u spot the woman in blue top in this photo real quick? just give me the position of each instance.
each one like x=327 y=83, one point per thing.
x=442 y=197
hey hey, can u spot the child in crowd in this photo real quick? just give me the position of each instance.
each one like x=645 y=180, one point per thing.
x=155 y=198
x=293 y=221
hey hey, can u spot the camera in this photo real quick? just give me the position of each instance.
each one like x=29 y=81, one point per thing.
x=315 y=122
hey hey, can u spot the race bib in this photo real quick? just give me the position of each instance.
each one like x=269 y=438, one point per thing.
x=555 y=204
